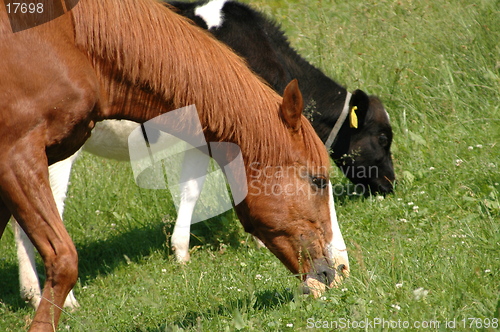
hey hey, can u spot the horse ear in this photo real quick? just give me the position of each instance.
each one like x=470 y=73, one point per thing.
x=292 y=106
x=361 y=101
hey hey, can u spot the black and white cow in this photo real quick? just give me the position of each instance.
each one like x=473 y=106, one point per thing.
x=363 y=153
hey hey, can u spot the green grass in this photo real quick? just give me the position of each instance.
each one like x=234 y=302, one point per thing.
x=436 y=66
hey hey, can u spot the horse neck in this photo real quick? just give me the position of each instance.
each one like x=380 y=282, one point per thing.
x=323 y=97
x=233 y=104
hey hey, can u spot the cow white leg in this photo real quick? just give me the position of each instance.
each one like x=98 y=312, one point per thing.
x=28 y=278
x=191 y=183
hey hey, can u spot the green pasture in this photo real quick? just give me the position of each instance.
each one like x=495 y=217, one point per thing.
x=427 y=255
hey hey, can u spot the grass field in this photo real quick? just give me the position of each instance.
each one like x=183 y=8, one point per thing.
x=428 y=255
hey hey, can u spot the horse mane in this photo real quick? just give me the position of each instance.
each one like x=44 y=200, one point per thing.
x=144 y=44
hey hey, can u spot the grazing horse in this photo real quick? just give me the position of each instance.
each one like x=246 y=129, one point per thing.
x=362 y=153
x=93 y=69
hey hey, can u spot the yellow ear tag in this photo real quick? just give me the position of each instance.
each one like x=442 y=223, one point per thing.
x=353 y=118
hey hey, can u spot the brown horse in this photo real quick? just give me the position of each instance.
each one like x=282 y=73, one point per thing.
x=105 y=60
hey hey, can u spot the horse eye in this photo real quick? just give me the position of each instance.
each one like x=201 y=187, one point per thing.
x=320 y=181
x=383 y=140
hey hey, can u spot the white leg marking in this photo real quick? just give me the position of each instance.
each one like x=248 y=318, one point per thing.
x=195 y=162
x=28 y=277
x=211 y=13
x=337 y=248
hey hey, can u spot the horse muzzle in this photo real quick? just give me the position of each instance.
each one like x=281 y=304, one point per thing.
x=322 y=277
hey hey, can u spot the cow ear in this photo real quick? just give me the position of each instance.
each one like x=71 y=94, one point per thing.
x=358 y=108
x=292 y=106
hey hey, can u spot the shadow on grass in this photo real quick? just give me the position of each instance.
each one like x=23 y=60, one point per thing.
x=9 y=290
x=259 y=301
x=101 y=257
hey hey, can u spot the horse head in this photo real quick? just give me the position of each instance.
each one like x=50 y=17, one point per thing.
x=290 y=208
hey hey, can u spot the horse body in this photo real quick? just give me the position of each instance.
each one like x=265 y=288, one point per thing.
x=96 y=71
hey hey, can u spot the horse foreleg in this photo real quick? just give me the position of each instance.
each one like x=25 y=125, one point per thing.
x=194 y=164
x=25 y=190
x=29 y=283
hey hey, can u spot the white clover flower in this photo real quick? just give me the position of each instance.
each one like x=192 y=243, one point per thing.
x=399 y=285
x=395 y=306
x=420 y=293
x=470 y=148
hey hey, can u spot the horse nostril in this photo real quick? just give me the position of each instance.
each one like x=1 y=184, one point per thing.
x=326 y=275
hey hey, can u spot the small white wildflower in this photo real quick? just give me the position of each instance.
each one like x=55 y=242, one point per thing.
x=420 y=293
x=113 y=225
x=164 y=270
x=487 y=271
x=258 y=277
x=470 y=148
x=395 y=306
x=415 y=208
x=380 y=198
x=97 y=212
x=399 y=285
x=400 y=199
x=479 y=146
x=431 y=168
x=492 y=165
x=410 y=203
x=458 y=162
x=403 y=220
x=323 y=298
x=289 y=325
x=345 y=289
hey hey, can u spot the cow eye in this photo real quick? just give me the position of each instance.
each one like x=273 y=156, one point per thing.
x=383 y=140
x=320 y=181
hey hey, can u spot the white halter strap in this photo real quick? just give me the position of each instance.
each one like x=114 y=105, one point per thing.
x=339 y=123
